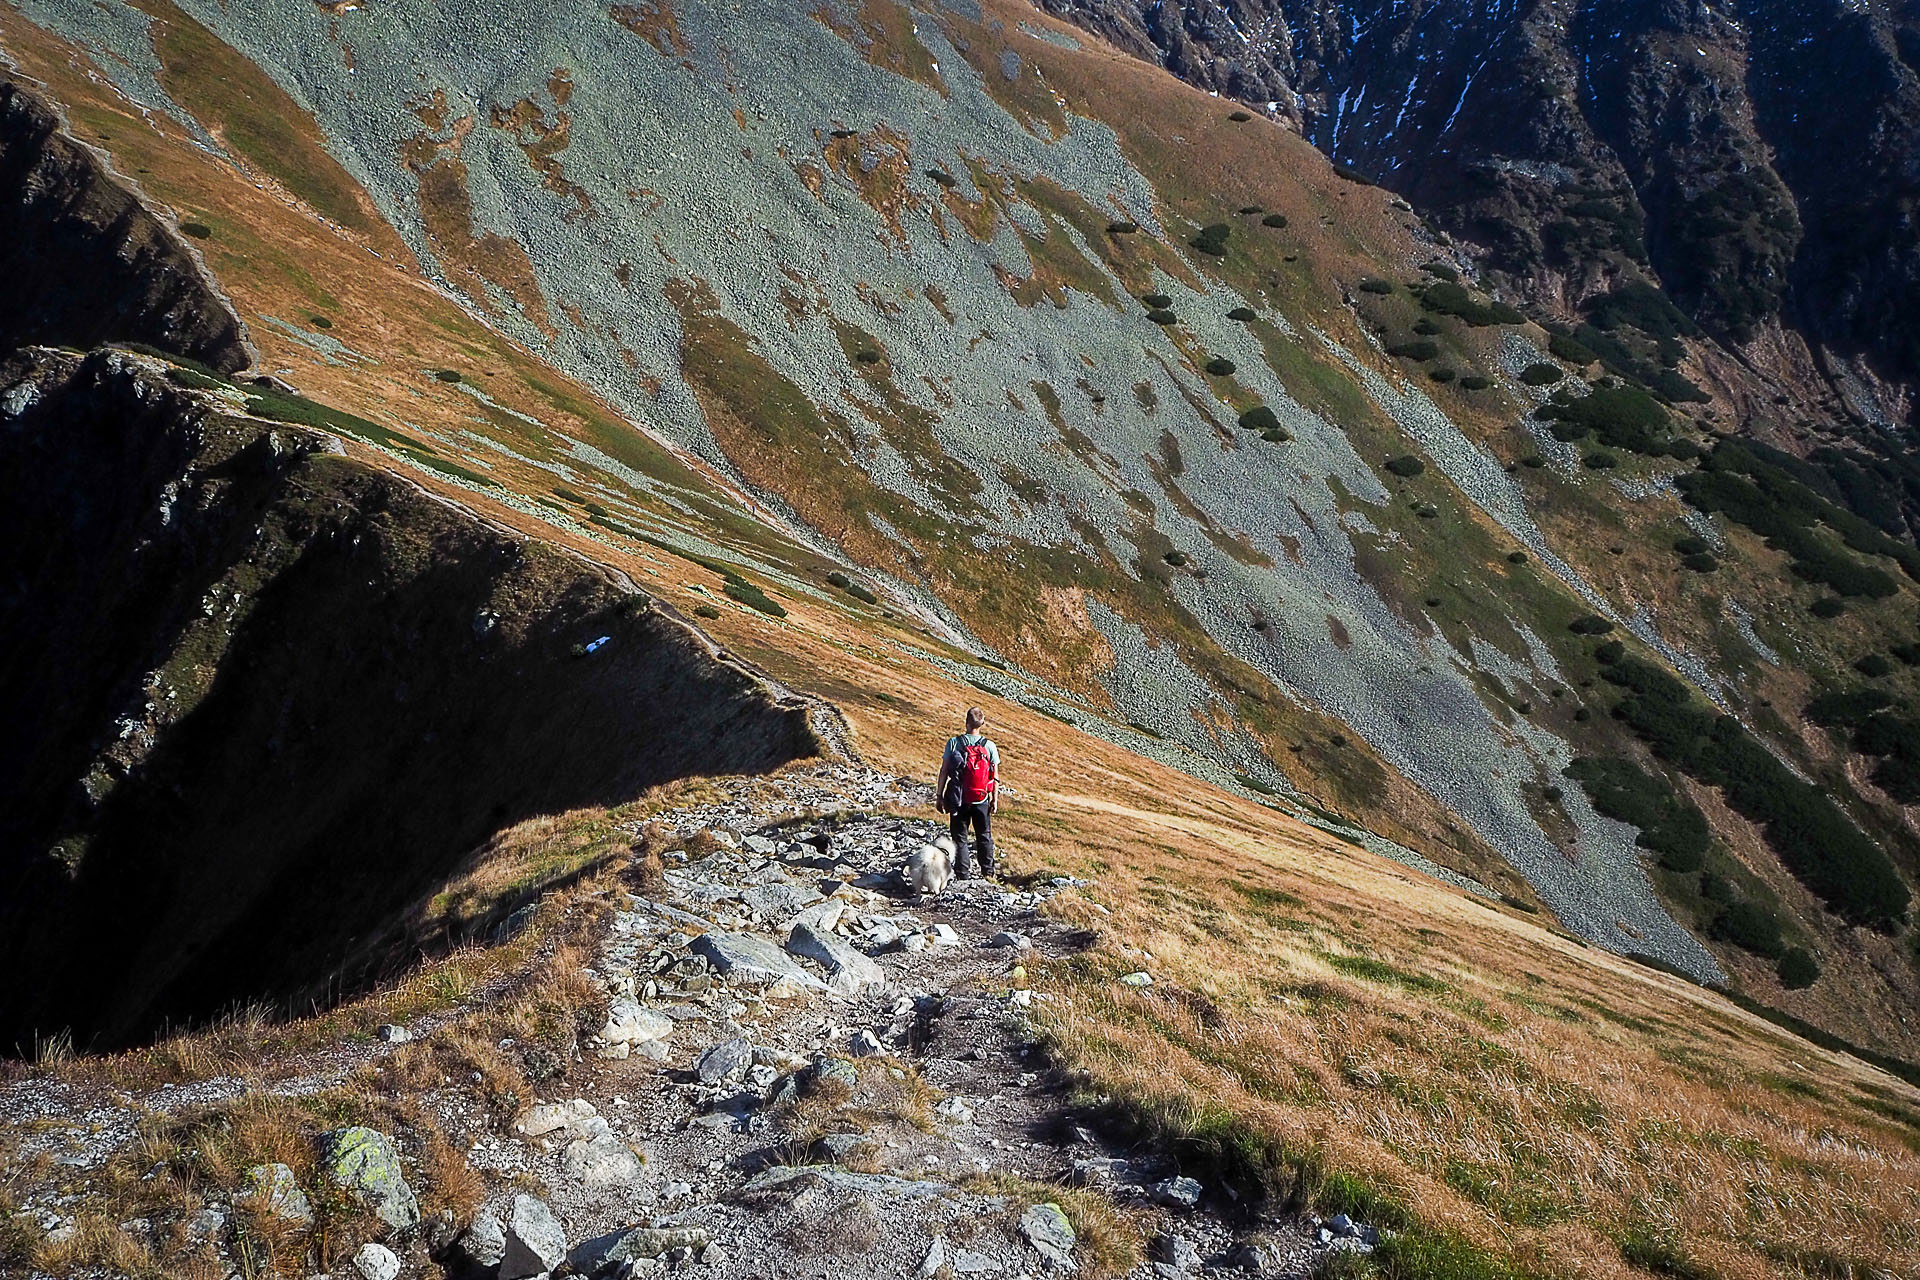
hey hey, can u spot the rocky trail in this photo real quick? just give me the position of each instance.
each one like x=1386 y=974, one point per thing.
x=803 y=1073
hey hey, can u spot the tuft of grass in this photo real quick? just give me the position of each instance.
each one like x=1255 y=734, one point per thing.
x=1107 y=1243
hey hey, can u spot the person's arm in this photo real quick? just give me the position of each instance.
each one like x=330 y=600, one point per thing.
x=940 y=783
x=993 y=796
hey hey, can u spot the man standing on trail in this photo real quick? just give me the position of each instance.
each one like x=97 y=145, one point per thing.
x=968 y=788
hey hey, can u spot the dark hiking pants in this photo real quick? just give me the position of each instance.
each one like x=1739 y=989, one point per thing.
x=980 y=817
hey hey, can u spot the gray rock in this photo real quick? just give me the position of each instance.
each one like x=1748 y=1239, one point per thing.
x=634 y=1244
x=821 y=915
x=1007 y=938
x=936 y=1258
x=536 y=1242
x=1046 y=1228
x=1258 y=1256
x=761 y=845
x=745 y=958
x=849 y=972
x=864 y=1044
x=392 y=1033
x=833 y=1073
x=836 y=1147
x=1177 y=1193
x=943 y=934
x=1165 y=1271
x=714 y=1255
x=1176 y=1251
x=601 y=1162
x=1136 y=979
x=485 y=1242
x=628 y=1022
x=779 y=900
x=363 y=1164
x=376 y=1262
x=274 y=1189
x=727 y=1060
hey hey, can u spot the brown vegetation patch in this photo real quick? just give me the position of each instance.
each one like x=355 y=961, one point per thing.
x=883 y=33
x=542 y=141
x=655 y=22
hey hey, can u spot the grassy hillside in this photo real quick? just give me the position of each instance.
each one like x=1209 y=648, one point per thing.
x=1211 y=655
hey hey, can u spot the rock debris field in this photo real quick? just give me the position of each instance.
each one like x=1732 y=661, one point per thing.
x=803 y=1072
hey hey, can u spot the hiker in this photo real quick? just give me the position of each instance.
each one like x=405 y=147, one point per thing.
x=967 y=789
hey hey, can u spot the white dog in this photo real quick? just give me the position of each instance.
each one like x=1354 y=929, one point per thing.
x=930 y=867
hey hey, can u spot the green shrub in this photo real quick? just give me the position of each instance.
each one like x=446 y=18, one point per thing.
x=1452 y=299
x=1534 y=461
x=1590 y=624
x=1565 y=346
x=1909 y=654
x=1516 y=557
x=1692 y=545
x=1703 y=562
x=1661 y=1255
x=1242 y=314
x=1851 y=709
x=1122 y=228
x=1640 y=306
x=705 y=611
x=448 y=375
x=1671 y=825
x=1352 y=174
x=1212 y=239
x=1276 y=435
x=1178 y=559
x=1240 y=117
x=1583 y=715
x=1827 y=607
x=1375 y=285
x=863 y=593
x=1441 y=374
x=1259 y=418
x=1542 y=374
x=1274 y=220
x=1442 y=270
x=1220 y=367
x=1873 y=666
x=753 y=597
x=1622 y=417
x=1475 y=382
x=1406 y=465
x=194 y=380
x=1684 y=449
x=320 y=322
x=1715 y=887
x=1609 y=653
x=867 y=357
x=838 y=579
x=1163 y=316
x=1751 y=927
x=198 y=230
x=1426 y=327
x=946 y=179
x=1797 y=969
x=1675 y=389
x=1420 y=349
x=1818 y=843
x=1599 y=462
x=1155 y=301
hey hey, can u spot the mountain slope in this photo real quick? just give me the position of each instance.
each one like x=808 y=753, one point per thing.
x=912 y=334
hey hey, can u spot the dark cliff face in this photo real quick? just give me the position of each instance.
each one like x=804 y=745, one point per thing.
x=1760 y=159
x=85 y=262
x=271 y=697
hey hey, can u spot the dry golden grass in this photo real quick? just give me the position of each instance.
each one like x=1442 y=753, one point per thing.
x=1106 y=1241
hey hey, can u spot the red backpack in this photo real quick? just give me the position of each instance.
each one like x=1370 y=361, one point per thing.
x=976 y=773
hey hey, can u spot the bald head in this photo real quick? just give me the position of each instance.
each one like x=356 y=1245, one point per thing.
x=975 y=718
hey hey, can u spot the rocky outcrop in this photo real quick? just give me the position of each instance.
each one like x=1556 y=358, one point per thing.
x=85 y=262
x=271 y=697
x=1761 y=159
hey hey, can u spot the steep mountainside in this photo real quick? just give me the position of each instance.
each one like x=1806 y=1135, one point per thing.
x=1373 y=666
x=1759 y=159
x=1170 y=427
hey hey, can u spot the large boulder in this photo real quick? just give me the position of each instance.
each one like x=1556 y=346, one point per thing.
x=536 y=1242
x=726 y=1061
x=779 y=900
x=849 y=972
x=633 y=1244
x=362 y=1163
x=743 y=957
x=376 y=1262
x=485 y=1242
x=601 y=1162
x=629 y=1022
